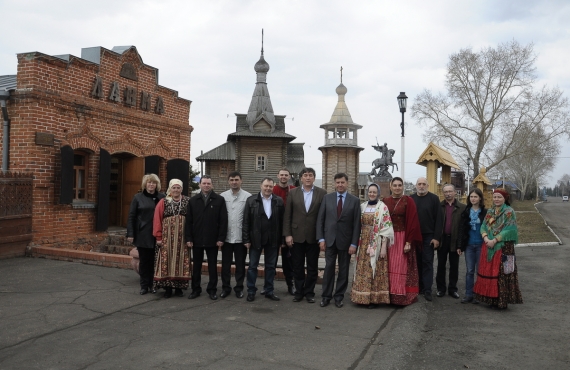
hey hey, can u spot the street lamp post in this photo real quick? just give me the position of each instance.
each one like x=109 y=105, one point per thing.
x=402 y=102
x=468 y=164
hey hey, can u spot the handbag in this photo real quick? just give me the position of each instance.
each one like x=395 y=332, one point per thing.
x=508 y=264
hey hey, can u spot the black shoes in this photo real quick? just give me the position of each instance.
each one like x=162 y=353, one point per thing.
x=338 y=304
x=272 y=296
x=440 y=293
x=310 y=299
x=239 y=294
x=372 y=306
x=262 y=292
x=297 y=299
x=213 y=296
x=467 y=300
x=325 y=302
x=178 y=292
x=454 y=295
x=143 y=291
x=428 y=297
x=194 y=295
x=250 y=297
x=224 y=294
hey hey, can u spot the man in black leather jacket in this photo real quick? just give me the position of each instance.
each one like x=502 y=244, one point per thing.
x=263 y=230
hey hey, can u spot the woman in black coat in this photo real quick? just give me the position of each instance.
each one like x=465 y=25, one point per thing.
x=139 y=228
x=471 y=240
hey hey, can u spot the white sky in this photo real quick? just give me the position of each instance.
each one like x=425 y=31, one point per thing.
x=207 y=49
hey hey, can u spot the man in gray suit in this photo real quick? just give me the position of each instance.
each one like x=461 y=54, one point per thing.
x=338 y=230
x=300 y=231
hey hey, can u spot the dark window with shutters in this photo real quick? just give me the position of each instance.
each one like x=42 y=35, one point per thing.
x=104 y=187
x=67 y=173
x=151 y=164
x=178 y=169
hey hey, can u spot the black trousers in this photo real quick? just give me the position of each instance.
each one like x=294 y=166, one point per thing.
x=442 y=252
x=300 y=252
x=229 y=252
x=197 y=259
x=146 y=267
x=287 y=265
x=426 y=259
x=331 y=255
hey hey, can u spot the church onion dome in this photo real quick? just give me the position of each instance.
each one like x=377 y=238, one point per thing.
x=341 y=89
x=261 y=66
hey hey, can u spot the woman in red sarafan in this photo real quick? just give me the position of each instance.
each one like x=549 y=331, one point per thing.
x=402 y=265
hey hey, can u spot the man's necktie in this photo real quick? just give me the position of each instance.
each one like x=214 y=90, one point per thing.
x=339 y=206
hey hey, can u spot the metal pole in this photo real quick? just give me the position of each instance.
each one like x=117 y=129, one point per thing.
x=468 y=182
x=403 y=152
x=6 y=134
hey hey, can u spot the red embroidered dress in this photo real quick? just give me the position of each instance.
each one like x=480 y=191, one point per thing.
x=402 y=267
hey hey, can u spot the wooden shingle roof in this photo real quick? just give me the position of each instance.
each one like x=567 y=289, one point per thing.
x=437 y=153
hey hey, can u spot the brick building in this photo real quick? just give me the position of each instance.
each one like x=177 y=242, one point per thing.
x=259 y=147
x=89 y=128
x=341 y=152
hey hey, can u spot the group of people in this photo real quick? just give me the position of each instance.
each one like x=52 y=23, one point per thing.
x=395 y=240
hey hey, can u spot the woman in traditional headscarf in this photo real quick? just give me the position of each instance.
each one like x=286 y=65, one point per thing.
x=497 y=278
x=370 y=284
x=172 y=267
x=402 y=263
x=139 y=228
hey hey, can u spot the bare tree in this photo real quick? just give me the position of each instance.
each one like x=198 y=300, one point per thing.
x=491 y=105
x=531 y=167
x=564 y=184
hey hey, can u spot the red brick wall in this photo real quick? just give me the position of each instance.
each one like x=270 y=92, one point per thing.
x=54 y=96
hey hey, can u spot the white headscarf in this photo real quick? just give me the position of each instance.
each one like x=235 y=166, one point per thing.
x=170 y=184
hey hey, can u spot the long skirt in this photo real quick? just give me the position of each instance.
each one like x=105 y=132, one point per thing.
x=366 y=288
x=402 y=272
x=493 y=286
x=172 y=261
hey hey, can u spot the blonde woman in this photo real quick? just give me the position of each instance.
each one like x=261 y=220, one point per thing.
x=139 y=228
x=172 y=267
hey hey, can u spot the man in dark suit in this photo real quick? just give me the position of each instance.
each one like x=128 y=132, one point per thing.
x=206 y=228
x=300 y=231
x=263 y=230
x=338 y=230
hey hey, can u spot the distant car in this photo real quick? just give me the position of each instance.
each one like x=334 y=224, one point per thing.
x=565 y=198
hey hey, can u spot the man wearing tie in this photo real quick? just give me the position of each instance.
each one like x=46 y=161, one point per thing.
x=300 y=231
x=338 y=230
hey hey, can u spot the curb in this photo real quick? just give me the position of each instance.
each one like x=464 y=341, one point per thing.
x=552 y=231
x=547 y=244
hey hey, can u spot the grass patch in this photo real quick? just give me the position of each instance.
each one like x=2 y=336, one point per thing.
x=531 y=224
x=524 y=205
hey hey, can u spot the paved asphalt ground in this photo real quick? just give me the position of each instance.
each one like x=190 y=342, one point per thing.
x=62 y=315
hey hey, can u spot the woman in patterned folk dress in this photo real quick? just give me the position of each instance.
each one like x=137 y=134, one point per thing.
x=497 y=278
x=402 y=265
x=370 y=284
x=172 y=266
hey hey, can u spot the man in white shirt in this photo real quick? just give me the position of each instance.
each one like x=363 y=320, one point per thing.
x=233 y=248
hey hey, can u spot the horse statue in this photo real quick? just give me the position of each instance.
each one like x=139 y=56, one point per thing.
x=381 y=164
